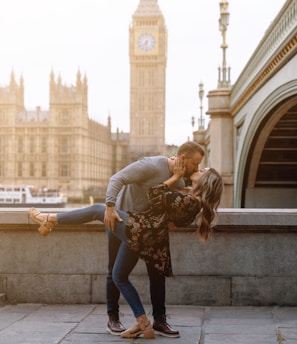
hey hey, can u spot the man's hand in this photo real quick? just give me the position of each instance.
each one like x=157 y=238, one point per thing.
x=110 y=217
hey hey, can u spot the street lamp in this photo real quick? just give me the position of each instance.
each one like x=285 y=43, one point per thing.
x=223 y=23
x=201 y=93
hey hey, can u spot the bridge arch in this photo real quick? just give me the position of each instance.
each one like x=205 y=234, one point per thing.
x=267 y=156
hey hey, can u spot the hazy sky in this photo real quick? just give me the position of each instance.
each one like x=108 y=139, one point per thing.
x=38 y=36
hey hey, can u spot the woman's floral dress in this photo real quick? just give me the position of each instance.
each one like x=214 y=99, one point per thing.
x=148 y=232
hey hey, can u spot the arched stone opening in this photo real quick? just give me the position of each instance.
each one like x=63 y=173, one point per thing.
x=270 y=179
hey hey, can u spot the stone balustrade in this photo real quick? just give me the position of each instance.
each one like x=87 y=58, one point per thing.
x=251 y=259
x=283 y=29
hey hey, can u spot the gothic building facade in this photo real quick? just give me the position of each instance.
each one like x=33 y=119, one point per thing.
x=62 y=148
x=56 y=149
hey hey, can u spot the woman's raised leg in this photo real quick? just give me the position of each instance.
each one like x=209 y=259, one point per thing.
x=48 y=221
x=82 y=215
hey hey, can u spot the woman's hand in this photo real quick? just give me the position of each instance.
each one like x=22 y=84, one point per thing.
x=179 y=169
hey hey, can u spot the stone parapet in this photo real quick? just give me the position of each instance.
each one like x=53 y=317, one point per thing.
x=249 y=260
x=219 y=103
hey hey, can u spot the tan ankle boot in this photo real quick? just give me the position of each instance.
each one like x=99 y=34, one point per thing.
x=142 y=326
x=46 y=221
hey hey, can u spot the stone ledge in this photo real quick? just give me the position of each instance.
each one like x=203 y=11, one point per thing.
x=250 y=260
x=228 y=220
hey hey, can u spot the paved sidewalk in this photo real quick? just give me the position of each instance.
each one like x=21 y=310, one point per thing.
x=86 y=324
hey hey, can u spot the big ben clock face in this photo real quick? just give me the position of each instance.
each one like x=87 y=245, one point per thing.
x=146 y=42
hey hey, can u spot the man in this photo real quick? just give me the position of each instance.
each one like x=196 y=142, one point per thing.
x=127 y=190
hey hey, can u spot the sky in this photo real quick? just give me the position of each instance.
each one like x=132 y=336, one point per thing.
x=92 y=36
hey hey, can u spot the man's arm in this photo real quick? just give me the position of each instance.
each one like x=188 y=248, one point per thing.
x=136 y=172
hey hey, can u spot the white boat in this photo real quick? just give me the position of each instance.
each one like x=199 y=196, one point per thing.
x=28 y=196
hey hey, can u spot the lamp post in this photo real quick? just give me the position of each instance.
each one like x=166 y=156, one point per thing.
x=201 y=93
x=223 y=23
x=193 y=122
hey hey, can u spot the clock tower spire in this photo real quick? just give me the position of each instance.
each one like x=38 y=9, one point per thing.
x=148 y=7
x=148 y=57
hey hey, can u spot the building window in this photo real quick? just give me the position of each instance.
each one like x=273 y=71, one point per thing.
x=31 y=144
x=150 y=128
x=31 y=169
x=20 y=145
x=141 y=103
x=43 y=145
x=20 y=169
x=141 y=78
x=43 y=169
x=64 y=144
x=65 y=116
x=141 y=127
x=151 y=103
x=64 y=170
x=151 y=78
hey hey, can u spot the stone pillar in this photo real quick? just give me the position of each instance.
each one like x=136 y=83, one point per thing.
x=199 y=137
x=221 y=141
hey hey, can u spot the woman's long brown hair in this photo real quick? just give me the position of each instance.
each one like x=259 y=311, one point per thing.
x=209 y=190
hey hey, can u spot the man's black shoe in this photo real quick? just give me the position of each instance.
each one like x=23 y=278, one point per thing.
x=161 y=327
x=114 y=326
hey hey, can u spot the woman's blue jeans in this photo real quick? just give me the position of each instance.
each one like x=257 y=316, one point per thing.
x=125 y=259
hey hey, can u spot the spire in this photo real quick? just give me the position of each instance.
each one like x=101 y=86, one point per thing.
x=52 y=77
x=109 y=121
x=78 y=76
x=21 y=90
x=12 y=80
x=148 y=8
x=78 y=79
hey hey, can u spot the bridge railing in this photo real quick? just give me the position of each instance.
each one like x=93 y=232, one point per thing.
x=278 y=43
x=250 y=260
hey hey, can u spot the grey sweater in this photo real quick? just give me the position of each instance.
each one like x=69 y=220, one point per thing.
x=128 y=188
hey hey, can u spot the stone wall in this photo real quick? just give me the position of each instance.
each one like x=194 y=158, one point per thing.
x=250 y=260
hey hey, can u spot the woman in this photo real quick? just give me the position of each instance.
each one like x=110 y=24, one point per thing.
x=147 y=233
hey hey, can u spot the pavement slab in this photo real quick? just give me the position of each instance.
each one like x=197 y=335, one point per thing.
x=86 y=324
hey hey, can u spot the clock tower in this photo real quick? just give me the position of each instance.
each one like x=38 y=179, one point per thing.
x=148 y=55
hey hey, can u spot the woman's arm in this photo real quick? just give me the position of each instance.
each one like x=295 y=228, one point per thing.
x=157 y=194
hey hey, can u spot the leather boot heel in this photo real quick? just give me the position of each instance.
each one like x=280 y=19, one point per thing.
x=149 y=334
